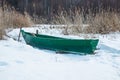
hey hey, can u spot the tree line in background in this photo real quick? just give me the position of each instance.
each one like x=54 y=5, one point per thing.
x=51 y=7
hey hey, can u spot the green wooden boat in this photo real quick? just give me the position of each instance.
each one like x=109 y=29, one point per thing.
x=77 y=46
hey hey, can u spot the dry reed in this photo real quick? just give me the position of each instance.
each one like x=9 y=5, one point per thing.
x=9 y=18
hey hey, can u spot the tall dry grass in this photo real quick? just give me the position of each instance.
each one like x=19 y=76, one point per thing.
x=73 y=22
x=9 y=18
x=103 y=22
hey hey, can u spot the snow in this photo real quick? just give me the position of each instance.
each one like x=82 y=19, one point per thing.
x=19 y=61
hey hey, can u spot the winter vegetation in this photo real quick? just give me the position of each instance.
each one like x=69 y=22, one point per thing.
x=104 y=20
x=10 y=18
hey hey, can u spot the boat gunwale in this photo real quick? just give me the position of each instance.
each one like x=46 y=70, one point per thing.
x=55 y=38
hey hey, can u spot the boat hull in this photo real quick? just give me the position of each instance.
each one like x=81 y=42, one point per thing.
x=79 y=46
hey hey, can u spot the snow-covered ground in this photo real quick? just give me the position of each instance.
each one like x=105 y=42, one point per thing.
x=19 y=61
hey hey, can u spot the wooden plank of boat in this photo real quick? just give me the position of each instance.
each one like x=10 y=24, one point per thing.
x=77 y=46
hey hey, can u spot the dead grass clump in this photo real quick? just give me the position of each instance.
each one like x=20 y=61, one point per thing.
x=104 y=22
x=20 y=20
x=73 y=22
x=9 y=18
